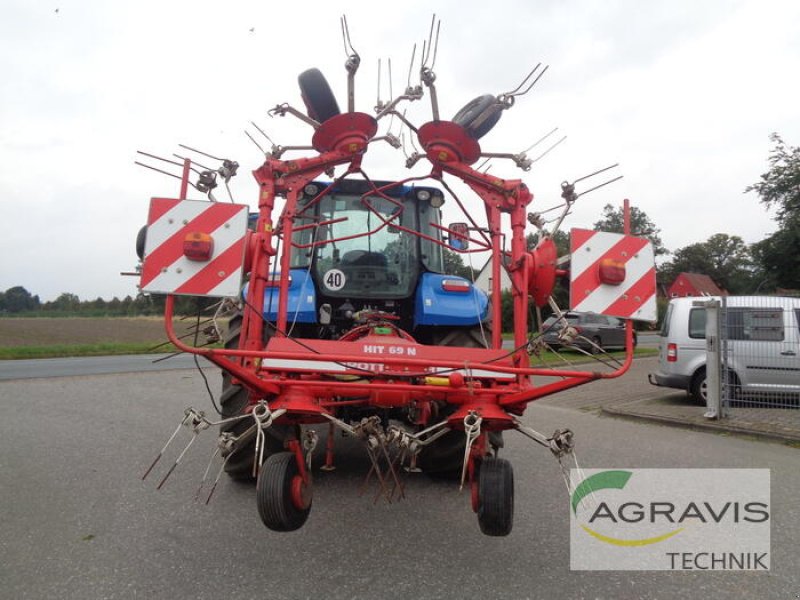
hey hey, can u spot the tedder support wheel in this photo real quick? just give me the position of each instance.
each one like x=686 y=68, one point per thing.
x=317 y=95
x=233 y=401
x=467 y=116
x=495 y=497
x=283 y=499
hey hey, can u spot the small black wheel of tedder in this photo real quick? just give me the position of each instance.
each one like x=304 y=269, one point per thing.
x=467 y=116
x=320 y=102
x=141 y=239
x=283 y=500
x=496 y=497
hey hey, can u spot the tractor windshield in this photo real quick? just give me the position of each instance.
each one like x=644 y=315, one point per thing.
x=365 y=251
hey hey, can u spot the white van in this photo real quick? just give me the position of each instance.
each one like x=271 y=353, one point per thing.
x=763 y=346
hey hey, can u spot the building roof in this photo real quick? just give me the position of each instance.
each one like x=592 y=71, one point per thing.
x=703 y=284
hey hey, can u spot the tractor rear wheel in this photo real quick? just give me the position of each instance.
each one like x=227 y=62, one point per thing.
x=495 y=497
x=465 y=337
x=444 y=457
x=283 y=498
x=233 y=402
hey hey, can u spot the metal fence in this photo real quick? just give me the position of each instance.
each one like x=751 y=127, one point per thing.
x=758 y=353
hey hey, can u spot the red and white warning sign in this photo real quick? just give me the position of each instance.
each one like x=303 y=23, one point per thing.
x=194 y=248
x=612 y=274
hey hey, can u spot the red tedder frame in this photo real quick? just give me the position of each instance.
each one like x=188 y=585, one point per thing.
x=493 y=383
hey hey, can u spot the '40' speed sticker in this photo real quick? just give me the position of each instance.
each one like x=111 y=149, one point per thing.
x=334 y=280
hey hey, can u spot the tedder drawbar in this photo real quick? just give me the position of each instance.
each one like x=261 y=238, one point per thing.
x=342 y=310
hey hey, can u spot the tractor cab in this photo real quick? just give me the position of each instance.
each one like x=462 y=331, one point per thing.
x=356 y=249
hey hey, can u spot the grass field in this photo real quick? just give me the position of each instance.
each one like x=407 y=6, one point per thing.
x=79 y=336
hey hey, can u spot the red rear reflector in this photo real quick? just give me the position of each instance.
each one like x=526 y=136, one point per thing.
x=672 y=353
x=455 y=285
x=612 y=271
x=198 y=246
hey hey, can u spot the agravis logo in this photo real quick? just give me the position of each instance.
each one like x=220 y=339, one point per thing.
x=603 y=481
x=683 y=519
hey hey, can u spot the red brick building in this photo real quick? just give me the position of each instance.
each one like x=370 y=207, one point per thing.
x=694 y=284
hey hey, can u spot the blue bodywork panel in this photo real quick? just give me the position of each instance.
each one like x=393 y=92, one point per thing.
x=435 y=306
x=302 y=299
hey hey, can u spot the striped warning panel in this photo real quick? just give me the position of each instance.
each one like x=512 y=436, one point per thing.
x=634 y=297
x=167 y=271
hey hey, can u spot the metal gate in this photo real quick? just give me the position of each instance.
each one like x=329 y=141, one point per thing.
x=759 y=352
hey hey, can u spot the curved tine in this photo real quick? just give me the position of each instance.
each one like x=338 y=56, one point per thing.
x=597 y=187
x=247 y=133
x=539 y=141
x=411 y=65
x=426 y=48
x=195 y=162
x=261 y=131
x=546 y=152
x=166 y=160
x=200 y=152
x=348 y=46
x=603 y=170
x=523 y=82
x=435 y=43
x=532 y=83
x=378 y=99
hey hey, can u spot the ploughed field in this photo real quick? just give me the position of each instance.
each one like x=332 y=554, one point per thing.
x=84 y=330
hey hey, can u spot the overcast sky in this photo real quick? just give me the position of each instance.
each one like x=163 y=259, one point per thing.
x=682 y=94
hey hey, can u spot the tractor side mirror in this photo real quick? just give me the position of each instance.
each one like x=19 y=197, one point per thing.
x=459 y=236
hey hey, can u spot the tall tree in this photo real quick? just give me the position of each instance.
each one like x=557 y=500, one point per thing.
x=725 y=258
x=17 y=299
x=780 y=185
x=778 y=256
x=641 y=225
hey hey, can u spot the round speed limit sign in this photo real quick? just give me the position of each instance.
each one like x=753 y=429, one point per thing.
x=334 y=280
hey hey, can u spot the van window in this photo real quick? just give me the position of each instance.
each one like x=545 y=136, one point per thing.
x=667 y=317
x=697 y=323
x=755 y=324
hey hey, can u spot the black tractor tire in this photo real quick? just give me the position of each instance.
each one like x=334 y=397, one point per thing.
x=274 y=494
x=141 y=239
x=469 y=113
x=320 y=102
x=444 y=457
x=495 y=497
x=465 y=337
x=233 y=400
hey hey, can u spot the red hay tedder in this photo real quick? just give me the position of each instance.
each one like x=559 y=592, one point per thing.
x=348 y=318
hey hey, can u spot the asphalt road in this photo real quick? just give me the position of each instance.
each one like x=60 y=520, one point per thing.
x=77 y=522
x=95 y=365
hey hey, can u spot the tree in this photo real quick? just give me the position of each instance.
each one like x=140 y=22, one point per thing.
x=66 y=302
x=613 y=220
x=778 y=256
x=561 y=238
x=778 y=260
x=18 y=299
x=725 y=258
x=454 y=265
x=780 y=186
